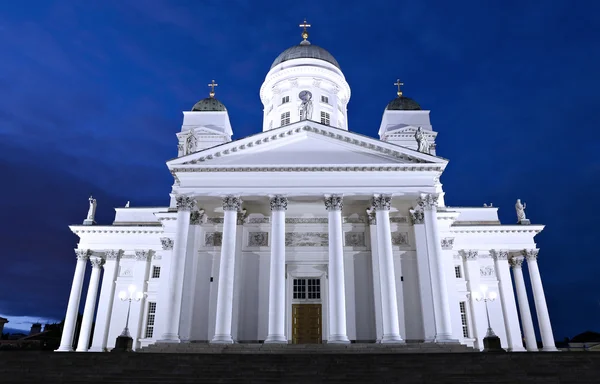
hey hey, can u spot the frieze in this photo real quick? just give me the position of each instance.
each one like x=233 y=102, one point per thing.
x=396 y=168
x=258 y=239
x=354 y=239
x=167 y=243
x=487 y=271
x=354 y=219
x=310 y=220
x=116 y=231
x=447 y=242
x=215 y=220
x=213 y=239
x=400 y=238
x=399 y=219
x=259 y=220
x=306 y=239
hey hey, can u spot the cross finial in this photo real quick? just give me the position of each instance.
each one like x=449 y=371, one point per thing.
x=399 y=83
x=212 y=86
x=304 y=31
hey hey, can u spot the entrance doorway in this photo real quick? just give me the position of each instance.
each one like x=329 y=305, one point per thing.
x=306 y=324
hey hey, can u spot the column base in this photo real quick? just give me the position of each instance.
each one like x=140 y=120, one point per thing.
x=64 y=349
x=338 y=339
x=222 y=339
x=392 y=339
x=276 y=339
x=517 y=349
x=81 y=350
x=96 y=349
x=550 y=349
x=169 y=338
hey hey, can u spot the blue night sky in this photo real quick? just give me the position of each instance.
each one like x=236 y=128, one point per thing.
x=91 y=94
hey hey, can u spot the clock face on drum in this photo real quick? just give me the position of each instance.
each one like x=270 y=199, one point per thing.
x=305 y=95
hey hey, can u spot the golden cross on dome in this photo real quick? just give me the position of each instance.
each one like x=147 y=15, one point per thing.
x=399 y=83
x=304 y=32
x=212 y=86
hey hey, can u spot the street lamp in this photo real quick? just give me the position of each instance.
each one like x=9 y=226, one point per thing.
x=124 y=341
x=491 y=342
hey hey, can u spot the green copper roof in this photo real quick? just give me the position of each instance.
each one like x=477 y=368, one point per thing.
x=305 y=51
x=209 y=104
x=403 y=104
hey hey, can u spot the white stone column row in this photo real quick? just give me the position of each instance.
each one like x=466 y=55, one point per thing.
x=107 y=296
x=530 y=342
x=90 y=305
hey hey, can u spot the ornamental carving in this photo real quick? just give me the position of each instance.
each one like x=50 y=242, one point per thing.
x=306 y=239
x=498 y=255
x=469 y=254
x=382 y=202
x=487 y=271
x=142 y=255
x=96 y=262
x=185 y=203
x=399 y=219
x=417 y=215
x=241 y=217
x=428 y=201
x=166 y=243
x=125 y=272
x=530 y=254
x=258 y=239
x=112 y=254
x=333 y=202
x=198 y=217
x=310 y=220
x=258 y=220
x=278 y=203
x=215 y=220
x=371 y=216
x=83 y=254
x=447 y=242
x=516 y=262
x=232 y=203
x=354 y=239
x=213 y=239
x=400 y=238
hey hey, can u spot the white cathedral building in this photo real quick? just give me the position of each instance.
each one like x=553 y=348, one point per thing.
x=306 y=233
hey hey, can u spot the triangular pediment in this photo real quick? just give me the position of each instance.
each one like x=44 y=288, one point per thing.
x=405 y=129
x=306 y=145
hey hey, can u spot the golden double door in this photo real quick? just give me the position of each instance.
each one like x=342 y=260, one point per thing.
x=306 y=324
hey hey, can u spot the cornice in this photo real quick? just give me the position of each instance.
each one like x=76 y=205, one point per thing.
x=396 y=168
x=113 y=229
x=498 y=229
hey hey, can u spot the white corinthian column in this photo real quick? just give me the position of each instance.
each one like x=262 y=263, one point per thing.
x=277 y=272
x=66 y=340
x=105 y=303
x=337 y=289
x=387 y=278
x=540 y=300
x=90 y=305
x=443 y=325
x=530 y=342
x=175 y=284
x=231 y=205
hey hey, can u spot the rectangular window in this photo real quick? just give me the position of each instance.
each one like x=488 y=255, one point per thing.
x=299 y=288
x=463 y=318
x=307 y=289
x=457 y=271
x=155 y=272
x=150 y=320
x=325 y=99
x=285 y=118
x=314 y=288
x=325 y=118
x=285 y=99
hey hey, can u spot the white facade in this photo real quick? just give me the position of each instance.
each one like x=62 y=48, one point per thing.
x=306 y=202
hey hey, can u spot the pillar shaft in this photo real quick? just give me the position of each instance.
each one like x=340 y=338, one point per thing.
x=375 y=270
x=90 y=305
x=105 y=303
x=473 y=277
x=530 y=342
x=277 y=272
x=539 y=298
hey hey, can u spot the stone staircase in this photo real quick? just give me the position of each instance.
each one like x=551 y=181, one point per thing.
x=289 y=367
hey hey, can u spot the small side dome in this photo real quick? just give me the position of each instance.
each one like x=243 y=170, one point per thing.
x=210 y=104
x=402 y=103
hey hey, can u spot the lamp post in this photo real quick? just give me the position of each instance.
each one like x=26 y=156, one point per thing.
x=491 y=342
x=124 y=341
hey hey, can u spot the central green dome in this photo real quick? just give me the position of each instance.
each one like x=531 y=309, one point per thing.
x=305 y=50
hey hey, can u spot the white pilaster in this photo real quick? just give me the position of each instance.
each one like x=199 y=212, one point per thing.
x=425 y=274
x=507 y=299
x=540 y=300
x=277 y=271
x=443 y=323
x=90 y=305
x=337 y=289
x=175 y=284
x=530 y=342
x=66 y=340
x=473 y=278
x=141 y=269
x=231 y=205
x=375 y=269
x=105 y=303
x=389 y=303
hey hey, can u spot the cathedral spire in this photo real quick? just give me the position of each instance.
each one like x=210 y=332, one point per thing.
x=304 y=33
x=399 y=84
x=212 y=86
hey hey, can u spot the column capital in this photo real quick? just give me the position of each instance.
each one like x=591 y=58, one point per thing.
x=185 y=203
x=417 y=215
x=381 y=202
x=371 y=217
x=143 y=255
x=447 y=242
x=83 y=254
x=469 y=254
x=530 y=254
x=232 y=203
x=113 y=254
x=499 y=254
x=197 y=217
x=278 y=203
x=333 y=202
x=167 y=243
x=428 y=201
x=96 y=262
x=516 y=262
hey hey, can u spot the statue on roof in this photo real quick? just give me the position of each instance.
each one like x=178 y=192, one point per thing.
x=306 y=106
x=422 y=142
x=520 y=208
x=91 y=212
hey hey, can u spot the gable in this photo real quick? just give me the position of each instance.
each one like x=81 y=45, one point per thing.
x=408 y=130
